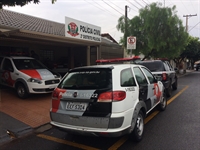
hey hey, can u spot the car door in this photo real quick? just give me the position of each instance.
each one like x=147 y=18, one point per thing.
x=154 y=91
x=170 y=70
x=146 y=89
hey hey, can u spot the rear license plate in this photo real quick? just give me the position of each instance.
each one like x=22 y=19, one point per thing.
x=76 y=106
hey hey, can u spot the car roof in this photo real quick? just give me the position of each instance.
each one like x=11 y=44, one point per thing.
x=107 y=66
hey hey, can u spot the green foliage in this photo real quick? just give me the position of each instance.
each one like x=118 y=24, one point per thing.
x=192 y=50
x=158 y=30
x=19 y=2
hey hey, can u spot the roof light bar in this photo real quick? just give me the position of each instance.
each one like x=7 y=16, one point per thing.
x=128 y=59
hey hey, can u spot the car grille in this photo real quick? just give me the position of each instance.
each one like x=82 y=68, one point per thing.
x=52 y=81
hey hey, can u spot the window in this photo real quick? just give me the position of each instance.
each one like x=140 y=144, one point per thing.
x=87 y=79
x=149 y=75
x=139 y=76
x=8 y=65
x=127 y=78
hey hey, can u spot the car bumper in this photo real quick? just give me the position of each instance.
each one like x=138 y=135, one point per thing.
x=41 y=88
x=96 y=126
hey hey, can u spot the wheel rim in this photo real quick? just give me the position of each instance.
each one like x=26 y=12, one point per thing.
x=163 y=103
x=140 y=124
x=20 y=91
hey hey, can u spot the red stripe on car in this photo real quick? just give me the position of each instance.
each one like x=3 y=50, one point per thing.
x=32 y=73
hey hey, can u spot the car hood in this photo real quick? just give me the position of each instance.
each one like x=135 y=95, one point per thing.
x=42 y=74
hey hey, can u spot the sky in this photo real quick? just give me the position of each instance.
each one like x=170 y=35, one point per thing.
x=105 y=13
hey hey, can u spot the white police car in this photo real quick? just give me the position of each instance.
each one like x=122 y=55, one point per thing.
x=106 y=100
x=27 y=75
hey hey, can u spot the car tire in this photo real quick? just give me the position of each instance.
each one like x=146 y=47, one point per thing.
x=175 y=84
x=138 y=130
x=163 y=104
x=21 y=91
x=169 y=90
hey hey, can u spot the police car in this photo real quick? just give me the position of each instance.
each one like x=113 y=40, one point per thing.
x=27 y=75
x=106 y=100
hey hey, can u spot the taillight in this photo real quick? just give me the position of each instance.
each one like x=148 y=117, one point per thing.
x=56 y=95
x=164 y=76
x=112 y=96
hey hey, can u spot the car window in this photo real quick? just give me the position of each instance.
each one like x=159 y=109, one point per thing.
x=169 y=65
x=22 y=64
x=149 y=75
x=7 y=65
x=153 y=65
x=87 y=79
x=127 y=78
x=166 y=66
x=139 y=76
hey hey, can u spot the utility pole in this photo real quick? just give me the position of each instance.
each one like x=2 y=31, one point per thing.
x=187 y=17
x=125 y=31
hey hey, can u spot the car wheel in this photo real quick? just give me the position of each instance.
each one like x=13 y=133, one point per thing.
x=21 y=91
x=169 y=90
x=139 y=127
x=175 y=84
x=163 y=104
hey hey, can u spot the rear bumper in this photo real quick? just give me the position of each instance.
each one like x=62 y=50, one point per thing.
x=92 y=132
x=94 y=126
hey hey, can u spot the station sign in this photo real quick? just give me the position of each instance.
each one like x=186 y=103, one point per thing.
x=81 y=30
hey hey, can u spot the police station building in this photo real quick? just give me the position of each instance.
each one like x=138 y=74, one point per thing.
x=61 y=46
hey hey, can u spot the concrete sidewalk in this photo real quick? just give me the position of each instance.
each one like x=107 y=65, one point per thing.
x=21 y=117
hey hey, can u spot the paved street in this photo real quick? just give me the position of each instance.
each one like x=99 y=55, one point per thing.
x=22 y=117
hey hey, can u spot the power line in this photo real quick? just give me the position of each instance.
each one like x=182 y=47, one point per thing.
x=100 y=7
x=194 y=26
x=138 y=3
x=133 y=4
x=112 y=7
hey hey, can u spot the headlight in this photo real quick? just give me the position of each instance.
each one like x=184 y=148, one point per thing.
x=34 y=80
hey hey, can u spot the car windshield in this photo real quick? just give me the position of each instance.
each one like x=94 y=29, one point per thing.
x=87 y=79
x=24 y=64
x=153 y=66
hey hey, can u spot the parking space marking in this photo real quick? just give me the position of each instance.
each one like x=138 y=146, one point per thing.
x=175 y=96
x=81 y=146
x=121 y=141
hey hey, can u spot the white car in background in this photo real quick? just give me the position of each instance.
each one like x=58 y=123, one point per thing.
x=27 y=75
x=106 y=100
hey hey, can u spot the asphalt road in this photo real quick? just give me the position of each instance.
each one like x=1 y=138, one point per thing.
x=177 y=128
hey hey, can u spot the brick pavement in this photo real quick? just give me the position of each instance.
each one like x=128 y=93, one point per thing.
x=33 y=111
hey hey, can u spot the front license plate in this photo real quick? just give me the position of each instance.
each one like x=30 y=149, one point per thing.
x=76 y=106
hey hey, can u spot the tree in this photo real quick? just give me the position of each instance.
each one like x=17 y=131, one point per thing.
x=19 y=2
x=158 y=30
x=191 y=52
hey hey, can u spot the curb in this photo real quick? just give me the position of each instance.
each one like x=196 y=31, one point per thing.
x=21 y=132
x=43 y=128
x=14 y=134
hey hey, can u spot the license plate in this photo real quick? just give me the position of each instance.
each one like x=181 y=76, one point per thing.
x=76 y=106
